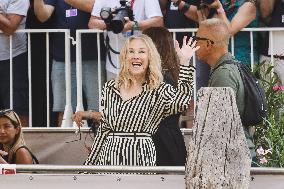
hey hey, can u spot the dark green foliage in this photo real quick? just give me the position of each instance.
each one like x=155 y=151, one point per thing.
x=270 y=134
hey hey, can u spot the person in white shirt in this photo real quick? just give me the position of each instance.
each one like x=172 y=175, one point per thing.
x=13 y=17
x=147 y=13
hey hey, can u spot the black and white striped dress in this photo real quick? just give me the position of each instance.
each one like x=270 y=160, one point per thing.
x=125 y=133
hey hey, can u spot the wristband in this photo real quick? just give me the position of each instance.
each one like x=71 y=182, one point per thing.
x=176 y=4
x=185 y=7
x=135 y=26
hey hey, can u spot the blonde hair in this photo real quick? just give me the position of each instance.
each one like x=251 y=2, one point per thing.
x=19 y=138
x=154 y=75
x=219 y=31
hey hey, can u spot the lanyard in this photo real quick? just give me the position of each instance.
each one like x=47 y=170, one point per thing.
x=132 y=4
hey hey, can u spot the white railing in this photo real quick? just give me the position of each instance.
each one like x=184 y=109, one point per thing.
x=67 y=122
x=79 y=33
x=67 y=111
x=179 y=170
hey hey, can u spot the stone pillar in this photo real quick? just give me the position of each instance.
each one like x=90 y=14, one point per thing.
x=218 y=155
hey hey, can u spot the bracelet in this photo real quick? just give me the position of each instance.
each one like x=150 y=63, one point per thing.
x=176 y=4
x=185 y=7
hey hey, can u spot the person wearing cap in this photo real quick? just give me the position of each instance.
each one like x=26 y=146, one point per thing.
x=13 y=149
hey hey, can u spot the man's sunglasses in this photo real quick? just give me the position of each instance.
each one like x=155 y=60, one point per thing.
x=202 y=38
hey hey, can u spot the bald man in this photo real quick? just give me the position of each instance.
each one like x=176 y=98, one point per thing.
x=213 y=38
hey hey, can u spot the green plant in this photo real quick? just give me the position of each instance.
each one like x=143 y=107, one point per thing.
x=269 y=137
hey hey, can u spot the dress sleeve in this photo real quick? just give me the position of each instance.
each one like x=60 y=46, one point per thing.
x=101 y=134
x=177 y=99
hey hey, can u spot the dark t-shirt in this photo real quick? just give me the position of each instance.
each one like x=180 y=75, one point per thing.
x=175 y=19
x=60 y=21
x=276 y=20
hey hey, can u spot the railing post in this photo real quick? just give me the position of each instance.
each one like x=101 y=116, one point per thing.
x=47 y=81
x=11 y=72
x=271 y=50
x=67 y=121
x=79 y=106
x=30 y=80
x=251 y=51
x=99 y=66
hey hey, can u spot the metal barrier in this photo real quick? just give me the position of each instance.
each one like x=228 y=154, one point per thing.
x=176 y=170
x=68 y=113
x=67 y=122
x=124 y=177
x=52 y=145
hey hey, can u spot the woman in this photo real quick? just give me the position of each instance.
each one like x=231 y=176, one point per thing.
x=133 y=106
x=12 y=144
x=168 y=139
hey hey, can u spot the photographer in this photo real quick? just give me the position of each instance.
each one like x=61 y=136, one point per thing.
x=13 y=17
x=147 y=13
x=237 y=15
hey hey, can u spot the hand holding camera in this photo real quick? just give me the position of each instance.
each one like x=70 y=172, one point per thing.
x=199 y=3
x=116 y=19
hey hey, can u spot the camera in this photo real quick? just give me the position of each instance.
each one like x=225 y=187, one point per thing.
x=116 y=23
x=202 y=3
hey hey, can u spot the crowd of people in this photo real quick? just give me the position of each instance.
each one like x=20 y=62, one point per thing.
x=148 y=85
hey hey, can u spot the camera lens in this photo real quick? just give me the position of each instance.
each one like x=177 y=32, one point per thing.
x=117 y=25
x=105 y=13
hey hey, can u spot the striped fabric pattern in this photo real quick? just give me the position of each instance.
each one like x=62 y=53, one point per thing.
x=140 y=114
x=139 y=151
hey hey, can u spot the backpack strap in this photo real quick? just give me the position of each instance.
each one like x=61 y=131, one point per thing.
x=225 y=62
x=35 y=160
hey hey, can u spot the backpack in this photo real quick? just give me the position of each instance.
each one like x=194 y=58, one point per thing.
x=255 y=102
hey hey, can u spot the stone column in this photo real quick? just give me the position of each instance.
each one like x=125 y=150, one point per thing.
x=218 y=156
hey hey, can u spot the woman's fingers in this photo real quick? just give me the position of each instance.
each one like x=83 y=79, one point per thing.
x=184 y=41
x=3 y=153
x=177 y=45
x=77 y=118
x=190 y=41
x=193 y=43
x=196 y=48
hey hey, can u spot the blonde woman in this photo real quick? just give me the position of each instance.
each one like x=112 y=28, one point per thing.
x=13 y=149
x=134 y=104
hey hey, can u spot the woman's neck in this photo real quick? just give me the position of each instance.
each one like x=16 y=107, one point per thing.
x=137 y=83
x=138 y=80
x=134 y=89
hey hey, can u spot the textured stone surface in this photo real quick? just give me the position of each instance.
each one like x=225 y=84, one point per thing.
x=218 y=156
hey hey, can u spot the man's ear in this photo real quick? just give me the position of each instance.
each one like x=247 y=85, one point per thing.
x=209 y=43
x=209 y=46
